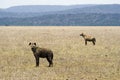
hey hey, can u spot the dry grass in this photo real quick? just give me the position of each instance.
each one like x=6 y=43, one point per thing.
x=72 y=59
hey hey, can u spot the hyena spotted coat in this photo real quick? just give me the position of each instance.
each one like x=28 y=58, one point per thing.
x=88 y=38
x=41 y=53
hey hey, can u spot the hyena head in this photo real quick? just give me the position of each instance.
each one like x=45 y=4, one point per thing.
x=32 y=45
x=82 y=34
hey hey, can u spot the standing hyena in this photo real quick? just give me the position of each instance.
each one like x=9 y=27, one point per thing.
x=88 y=38
x=41 y=53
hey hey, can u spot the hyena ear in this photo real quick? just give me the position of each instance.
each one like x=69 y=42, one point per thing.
x=35 y=44
x=30 y=43
x=82 y=33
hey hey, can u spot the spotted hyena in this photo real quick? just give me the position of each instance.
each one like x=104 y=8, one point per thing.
x=88 y=38
x=41 y=53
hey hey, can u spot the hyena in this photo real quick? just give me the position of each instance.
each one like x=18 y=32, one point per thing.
x=88 y=38
x=41 y=53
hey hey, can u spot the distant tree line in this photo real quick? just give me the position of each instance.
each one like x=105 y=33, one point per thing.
x=80 y=19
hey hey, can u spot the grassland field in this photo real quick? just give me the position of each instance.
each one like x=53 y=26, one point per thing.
x=72 y=59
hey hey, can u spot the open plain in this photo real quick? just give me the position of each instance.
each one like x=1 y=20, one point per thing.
x=72 y=59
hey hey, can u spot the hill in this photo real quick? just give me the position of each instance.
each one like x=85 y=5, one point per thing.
x=36 y=10
x=114 y=8
x=42 y=8
x=76 y=15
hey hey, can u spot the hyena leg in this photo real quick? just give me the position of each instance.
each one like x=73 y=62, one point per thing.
x=93 y=42
x=37 y=61
x=85 y=42
x=49 y=59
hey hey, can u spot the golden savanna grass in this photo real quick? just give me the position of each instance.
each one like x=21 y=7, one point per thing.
x=72 y=59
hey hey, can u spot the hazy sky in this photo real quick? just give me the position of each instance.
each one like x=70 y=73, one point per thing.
x=9 y=3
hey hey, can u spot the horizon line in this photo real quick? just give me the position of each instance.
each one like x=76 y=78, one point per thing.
x=59 y=5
